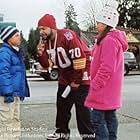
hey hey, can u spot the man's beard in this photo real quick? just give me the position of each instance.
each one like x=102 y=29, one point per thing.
x=47 y=36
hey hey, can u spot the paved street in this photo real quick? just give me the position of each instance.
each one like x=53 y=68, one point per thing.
x=38 y=112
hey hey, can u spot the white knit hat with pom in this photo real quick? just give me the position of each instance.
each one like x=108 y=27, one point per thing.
x=109 y=14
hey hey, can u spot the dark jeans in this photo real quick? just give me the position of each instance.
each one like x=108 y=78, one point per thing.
x=105 y=124
x=64 y=106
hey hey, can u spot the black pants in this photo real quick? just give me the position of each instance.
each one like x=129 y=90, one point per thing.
x=64 y=106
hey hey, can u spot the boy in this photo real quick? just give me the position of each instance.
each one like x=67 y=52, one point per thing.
x=13 y=83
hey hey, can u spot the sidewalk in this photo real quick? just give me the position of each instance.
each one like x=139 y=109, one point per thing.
x=134 y=72
x=38 y=120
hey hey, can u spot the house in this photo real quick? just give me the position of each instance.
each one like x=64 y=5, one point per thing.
x=133 y=37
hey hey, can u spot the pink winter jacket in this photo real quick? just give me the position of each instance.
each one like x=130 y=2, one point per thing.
x=107 y=69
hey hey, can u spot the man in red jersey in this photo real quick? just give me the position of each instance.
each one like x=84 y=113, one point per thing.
x=65 y=49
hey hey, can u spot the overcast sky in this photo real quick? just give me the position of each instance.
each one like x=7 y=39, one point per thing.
x=27 y=12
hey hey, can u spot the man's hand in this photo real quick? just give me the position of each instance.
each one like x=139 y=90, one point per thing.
x=40 y=48
x=74 y=86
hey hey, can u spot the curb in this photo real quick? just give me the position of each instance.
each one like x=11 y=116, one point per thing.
x=33 y=76
x=30 y=75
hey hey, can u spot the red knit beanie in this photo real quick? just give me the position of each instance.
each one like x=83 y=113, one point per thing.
x=48 y=21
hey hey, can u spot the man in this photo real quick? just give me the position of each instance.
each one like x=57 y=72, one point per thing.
x=65 y=49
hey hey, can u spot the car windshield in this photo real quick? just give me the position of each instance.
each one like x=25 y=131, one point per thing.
x=129 y=55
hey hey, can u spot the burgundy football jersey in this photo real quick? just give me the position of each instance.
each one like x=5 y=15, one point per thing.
x=72 y=58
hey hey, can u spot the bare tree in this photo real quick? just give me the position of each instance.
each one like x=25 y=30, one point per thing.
x=89 y=15
x=92 y=7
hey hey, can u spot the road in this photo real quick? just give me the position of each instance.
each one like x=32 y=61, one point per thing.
x=38 y=112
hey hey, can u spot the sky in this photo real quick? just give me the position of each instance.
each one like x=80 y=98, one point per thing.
x=26 y=13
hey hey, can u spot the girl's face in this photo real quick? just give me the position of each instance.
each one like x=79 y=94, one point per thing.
x=100 y=27
x=15 y=40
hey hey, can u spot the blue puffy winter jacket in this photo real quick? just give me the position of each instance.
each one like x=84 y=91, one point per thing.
x=12 y=73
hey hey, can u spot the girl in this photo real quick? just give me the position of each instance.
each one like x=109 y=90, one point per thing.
x=107 y=68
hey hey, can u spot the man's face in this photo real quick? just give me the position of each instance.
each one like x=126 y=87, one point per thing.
x=45 y=32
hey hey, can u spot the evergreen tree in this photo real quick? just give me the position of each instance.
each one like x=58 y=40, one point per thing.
x=129 y=11
x=134 y=14
x=70 y=16
x=24 y=51
x=32 y=43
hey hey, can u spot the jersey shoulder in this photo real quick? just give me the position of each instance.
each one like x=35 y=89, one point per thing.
x=67 y=34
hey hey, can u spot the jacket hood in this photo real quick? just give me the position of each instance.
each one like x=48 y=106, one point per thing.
x=121 y=37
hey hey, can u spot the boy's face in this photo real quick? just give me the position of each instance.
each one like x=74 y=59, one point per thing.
x=15 y=40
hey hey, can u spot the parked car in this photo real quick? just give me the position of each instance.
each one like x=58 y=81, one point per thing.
x=129 y=62
x=53 y=74
x=47 y=74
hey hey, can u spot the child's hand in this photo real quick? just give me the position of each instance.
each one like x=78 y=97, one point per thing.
x=40 y=48
x=8 y=99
